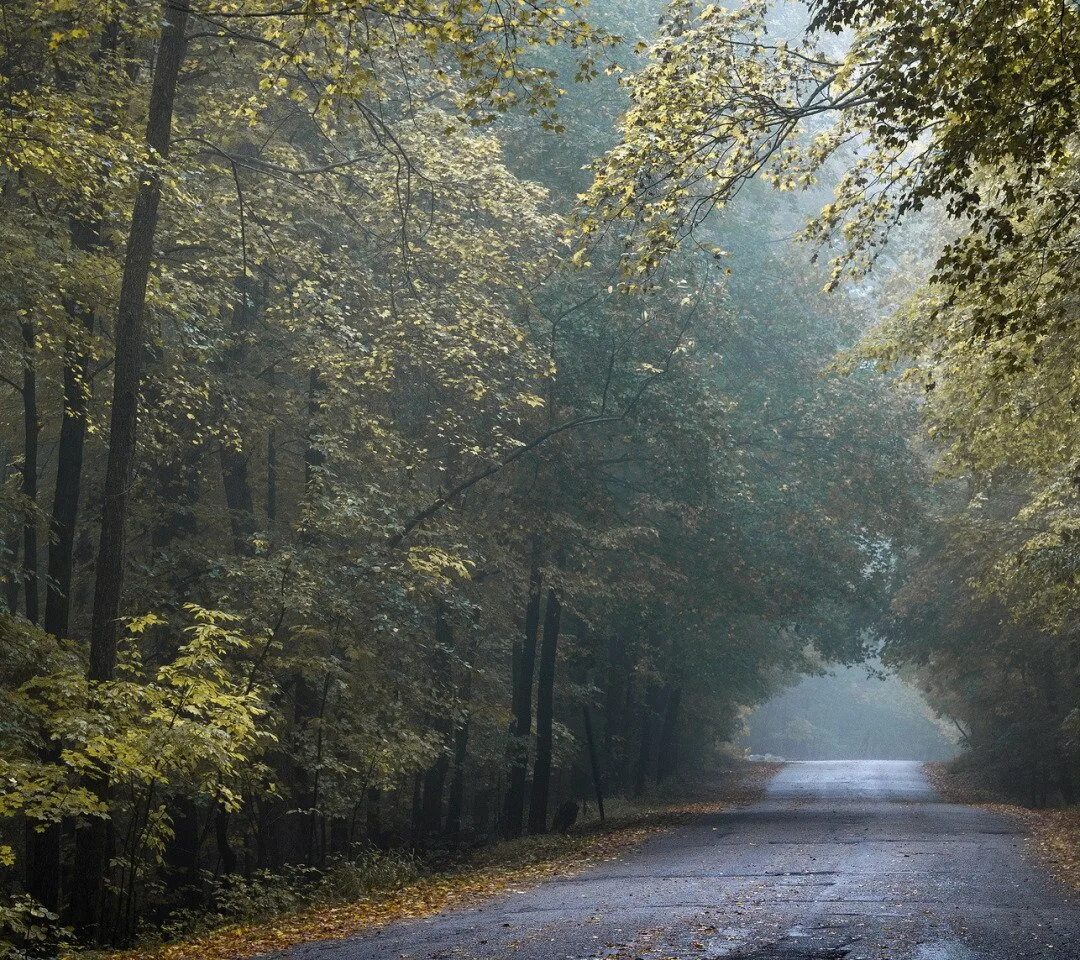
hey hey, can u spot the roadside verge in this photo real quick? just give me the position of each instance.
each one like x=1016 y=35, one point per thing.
x=1054 y=833
x=489 y=872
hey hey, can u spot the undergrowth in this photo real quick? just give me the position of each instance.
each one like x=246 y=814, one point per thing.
x=249 y=916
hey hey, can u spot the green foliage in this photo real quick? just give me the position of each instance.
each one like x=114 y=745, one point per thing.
x=28 y=930
x=268 y=894
x=958 y=121
x=382 y=409
x=193 y=719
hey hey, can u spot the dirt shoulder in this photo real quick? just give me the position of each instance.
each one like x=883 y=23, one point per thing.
x=490 y=872
x=1054 y=833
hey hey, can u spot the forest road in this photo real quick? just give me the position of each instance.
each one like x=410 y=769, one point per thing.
x=853 y=860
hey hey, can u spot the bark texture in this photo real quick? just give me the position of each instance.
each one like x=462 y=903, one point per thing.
x=545 y=715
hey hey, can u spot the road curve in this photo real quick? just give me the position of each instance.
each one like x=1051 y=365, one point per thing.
x=856 y=860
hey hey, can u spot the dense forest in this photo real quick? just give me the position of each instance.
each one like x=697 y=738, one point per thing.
x=420 y=415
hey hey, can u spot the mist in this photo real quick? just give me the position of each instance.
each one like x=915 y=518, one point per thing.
x=849 y=714
x=443 y=444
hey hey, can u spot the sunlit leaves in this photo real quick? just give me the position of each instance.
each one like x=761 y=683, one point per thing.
x=194 y=720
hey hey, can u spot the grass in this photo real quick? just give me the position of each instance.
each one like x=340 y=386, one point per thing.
x=358 y=899
x=1054 y=833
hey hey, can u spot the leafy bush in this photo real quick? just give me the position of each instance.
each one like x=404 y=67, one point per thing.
x=265 y=894
x=28 y=930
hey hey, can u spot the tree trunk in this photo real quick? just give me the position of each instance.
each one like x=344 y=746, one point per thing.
x=431 y=808
x=594 y=762
x=236 y=483
x=545 y=715
x=234 y=460
x=70 y=454
x=92 y=845
x=523 y=667
x=455 y=803
x=86 y=237
x=31 y=429
x=615 y=696
x=666 y=761
x=641 y=775
x=43 y=854
x=316 y=820
x=44 y=847
x=221 y=838
x=238 y=498
x=271 y=477
x=314 y=457
x=9 y=549
x=182 y=852
x=372 y=818
x=417 y=804
x=130 y=346
x=435 y=776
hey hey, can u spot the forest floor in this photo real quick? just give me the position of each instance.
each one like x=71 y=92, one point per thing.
x=1054 y=832
x=484 y=873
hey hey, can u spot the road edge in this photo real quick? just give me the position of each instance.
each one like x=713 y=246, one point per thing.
x=500 y=870
x=1052 y=834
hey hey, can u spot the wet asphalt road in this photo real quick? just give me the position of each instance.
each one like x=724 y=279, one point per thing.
x=853 y=860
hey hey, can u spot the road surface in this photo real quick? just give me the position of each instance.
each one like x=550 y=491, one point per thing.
x=853 y=860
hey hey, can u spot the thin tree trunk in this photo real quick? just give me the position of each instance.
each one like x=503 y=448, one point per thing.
x=641 y=775
x=372 y=818
x=236 y=482
x=92 y=846
x=221 y=839
x=666 y=760
x=455 y=803
x=545 y=715
x=435 y=776
x=624 y=753
x=9 y=550
x=43 y=841
x=43 y=853
x=434 y=782
x=314 y=457
x=234 y=461
x=130 y=346
x=238 y=498
x=417 y=804
x=70 y=455
x=182 y=853
x=31 y=429
x=615 y=697
x=316 y=846
x=524 y=665
x=271 y=477
x=594 y=763
x=271 y=439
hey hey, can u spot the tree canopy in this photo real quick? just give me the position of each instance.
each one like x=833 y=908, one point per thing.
x=395 y=449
